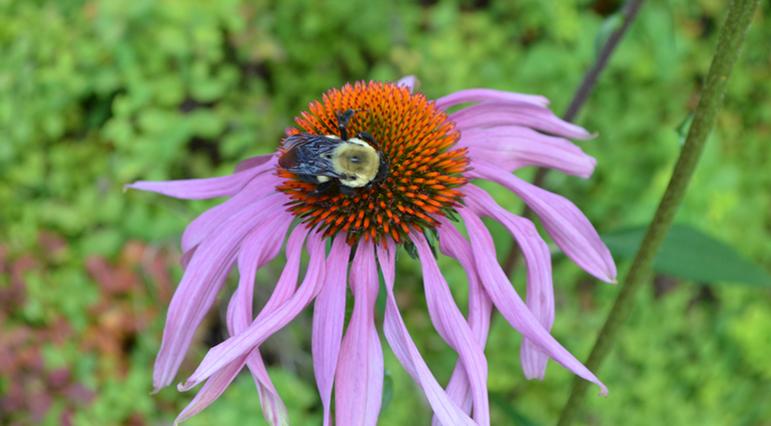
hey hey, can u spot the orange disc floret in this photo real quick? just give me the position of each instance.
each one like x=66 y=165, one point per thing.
x=416 y=140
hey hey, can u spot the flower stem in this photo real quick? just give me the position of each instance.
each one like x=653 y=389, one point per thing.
x=629 y=12
x=730 y=39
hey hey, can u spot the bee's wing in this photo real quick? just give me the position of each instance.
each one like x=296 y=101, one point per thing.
x=305 y=154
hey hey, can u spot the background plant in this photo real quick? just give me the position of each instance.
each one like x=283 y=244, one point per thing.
x=95 y=94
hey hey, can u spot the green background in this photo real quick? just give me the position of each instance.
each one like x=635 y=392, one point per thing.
x=97 y=94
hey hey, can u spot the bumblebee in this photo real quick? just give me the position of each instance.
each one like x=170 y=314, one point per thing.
x=332 y=161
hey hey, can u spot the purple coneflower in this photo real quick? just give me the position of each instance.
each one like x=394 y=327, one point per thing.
x=432 y=156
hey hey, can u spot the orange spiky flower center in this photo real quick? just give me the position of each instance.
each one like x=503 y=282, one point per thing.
x=416 y=140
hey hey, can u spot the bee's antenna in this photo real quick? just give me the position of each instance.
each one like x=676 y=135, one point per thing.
x=342 y=122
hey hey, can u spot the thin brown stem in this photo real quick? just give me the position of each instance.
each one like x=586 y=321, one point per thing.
x=580 y=97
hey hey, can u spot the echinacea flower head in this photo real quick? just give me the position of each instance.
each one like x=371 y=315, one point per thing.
x=419 y=143
x=431 y=153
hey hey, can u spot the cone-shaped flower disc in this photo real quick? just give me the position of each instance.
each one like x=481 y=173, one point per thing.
x=418 y=143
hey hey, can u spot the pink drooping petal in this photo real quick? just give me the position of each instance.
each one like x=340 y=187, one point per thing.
x=199 y=287
x=211 y=390
x=199 y=189
x=359 y=375
x=273 y=408
x=453 y=328
x=257 y=250
x=500 y=114
x=202 y=226
x=508 y=302
x=540 y=290
x=265 y=325
x=255 y=254
x=480 y=307
x=513 y=147
x=569 y=228
x=328 y=319
x=253 y=162
x=489 y=95
x=409 y=81
x=446 y=411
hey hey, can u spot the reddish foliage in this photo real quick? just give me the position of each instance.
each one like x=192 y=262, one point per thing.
x=134 y=288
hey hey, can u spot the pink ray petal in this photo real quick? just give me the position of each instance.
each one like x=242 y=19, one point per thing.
x=452 y=244
x=257 y=250
x=253 y=162
x=453 y=328
x=202 y=226
x=569 y=228
x=211 y=390
x=328 y=319
x=540 y=291
x=489 y=95
x=510 y=305
x=359 y=375
x=499 y=114
x=263 y=327
x=251 y=258
x=511 y=150
x=273 y=408
x=446 y=411
x=409 y=81
x=199 y=189
x=199 y=287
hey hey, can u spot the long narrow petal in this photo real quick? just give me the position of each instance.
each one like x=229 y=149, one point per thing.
x=359 y=376
x=273 y=408
x=198 y=189
x=569 y=228
x=480 y=307
x=259 y=248
x=255 y=252
x=452 y=326
x=489 y=95
x=199 y=287
x=211 y=390
x=513 y=147
x=508 y=302
x=446 y=411
x=500 y=114
x=540 y=291
x=265 y=325
x=328 y=319
x=202 y=226
x=239 y=315
x=253 y=162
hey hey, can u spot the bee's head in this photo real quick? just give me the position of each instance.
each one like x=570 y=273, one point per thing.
x=356 y=160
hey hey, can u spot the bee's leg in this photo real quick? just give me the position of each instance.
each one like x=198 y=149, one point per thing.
x=308 y=178
x=347 y=190
x=382 y=171
x=365 y=137
x=342 y=122
x=322 y=188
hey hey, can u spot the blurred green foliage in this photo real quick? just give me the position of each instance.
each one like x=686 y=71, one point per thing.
x=97 y=93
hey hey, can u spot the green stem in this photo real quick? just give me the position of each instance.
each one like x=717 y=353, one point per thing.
x=729 y=43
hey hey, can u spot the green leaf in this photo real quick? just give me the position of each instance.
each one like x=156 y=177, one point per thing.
x=388 y=390
x=691 y=254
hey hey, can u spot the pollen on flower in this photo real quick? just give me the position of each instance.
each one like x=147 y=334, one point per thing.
x=416 y=140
